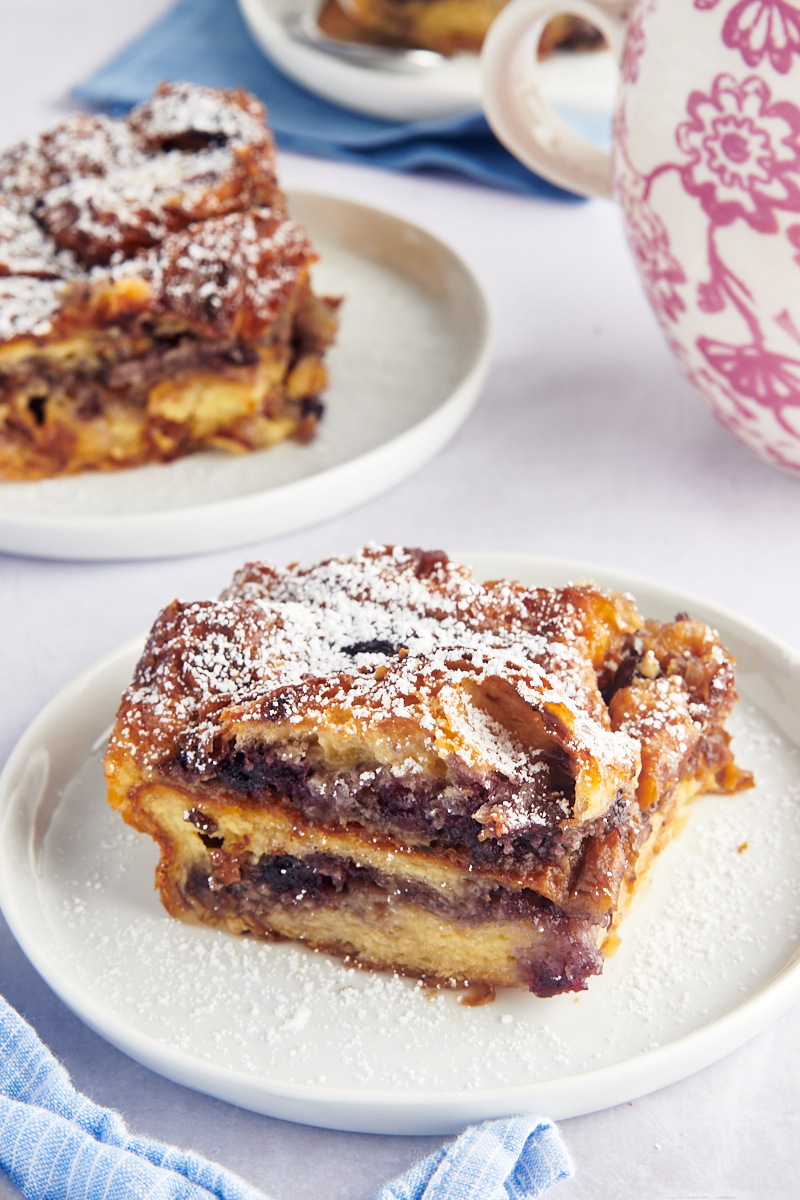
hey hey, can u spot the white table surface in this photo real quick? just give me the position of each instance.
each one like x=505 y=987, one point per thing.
x=586 y=444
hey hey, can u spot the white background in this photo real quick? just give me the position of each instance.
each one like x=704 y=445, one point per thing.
x=587 y=444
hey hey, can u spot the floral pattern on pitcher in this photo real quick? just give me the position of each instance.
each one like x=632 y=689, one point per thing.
x=761 y=29
x=660 y=271
x=744 y=152
x=793 y=234
x=635 y=42
x=739 y=160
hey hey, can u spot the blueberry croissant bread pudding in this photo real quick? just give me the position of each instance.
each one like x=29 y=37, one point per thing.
x=154 y=297
x=447 y=26
x=393 y=763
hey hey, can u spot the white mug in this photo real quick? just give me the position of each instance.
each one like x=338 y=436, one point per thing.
x=706 y=167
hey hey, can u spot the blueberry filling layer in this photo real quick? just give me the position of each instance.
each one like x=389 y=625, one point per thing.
x=438 y=812
x=556 y=953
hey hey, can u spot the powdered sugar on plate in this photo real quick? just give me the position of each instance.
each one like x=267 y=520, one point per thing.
x=708 y=953
x=398 y=356
x=719 y=919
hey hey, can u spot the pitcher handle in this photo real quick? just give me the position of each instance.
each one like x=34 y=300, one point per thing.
x=515 y=106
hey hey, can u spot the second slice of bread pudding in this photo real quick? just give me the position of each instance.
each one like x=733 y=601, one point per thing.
x=387 y=760
x=447 y=26
x=154 y=297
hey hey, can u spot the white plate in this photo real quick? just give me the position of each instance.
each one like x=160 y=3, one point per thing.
x=708 y=954
x=410 y=359
x=583 y=85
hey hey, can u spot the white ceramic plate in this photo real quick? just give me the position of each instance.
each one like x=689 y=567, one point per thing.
x=708 y=954
x=410 y=359
x=581 y=85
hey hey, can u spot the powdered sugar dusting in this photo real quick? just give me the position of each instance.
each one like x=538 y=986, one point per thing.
x=81 y=145
x=387 y=634
x=25 y=249
x=721 y=919
x=177 y=107
x=238 y=269
x=397 y=359
x=27 y=306
x=93 y=191
x=138 y=201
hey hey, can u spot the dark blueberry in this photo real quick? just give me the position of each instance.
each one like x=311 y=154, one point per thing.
x=36 y=406
x=282 y=873
x=376 y=646
x=192 y=140
x=312 y=406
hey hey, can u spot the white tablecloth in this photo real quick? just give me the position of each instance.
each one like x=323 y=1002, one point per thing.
x=587 y=444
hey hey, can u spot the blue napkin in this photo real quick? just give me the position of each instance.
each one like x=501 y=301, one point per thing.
x=207 y=42
x=55 y=1144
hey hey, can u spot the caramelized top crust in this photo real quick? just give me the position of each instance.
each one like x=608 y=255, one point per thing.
x=135 y=207
x=223 y=278
x=26 y=250
x=396 y=657
x=96 y=202
x=80 y=146
x=391 y=693
x=182 y=116
x=676 y=686
x=399 y=658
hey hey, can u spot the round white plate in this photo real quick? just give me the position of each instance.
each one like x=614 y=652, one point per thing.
x=583 y=85
x=708 y=954
x=411 y=356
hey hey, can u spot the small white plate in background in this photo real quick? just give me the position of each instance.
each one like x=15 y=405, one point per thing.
x=581 y=86
x=408 y=364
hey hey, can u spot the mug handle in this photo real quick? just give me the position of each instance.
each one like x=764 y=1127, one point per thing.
x=515 y=106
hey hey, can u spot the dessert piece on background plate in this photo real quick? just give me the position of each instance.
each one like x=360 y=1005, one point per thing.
x=391 y=762
x=154 y=298
x=448 y=26
x=569 y=32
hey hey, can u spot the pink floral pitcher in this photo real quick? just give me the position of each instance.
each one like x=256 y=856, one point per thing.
x=706 y=167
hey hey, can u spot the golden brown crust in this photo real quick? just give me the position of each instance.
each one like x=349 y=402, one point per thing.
x=447 y=26
x=681 y=690
x=154 y=299
x=389 y=736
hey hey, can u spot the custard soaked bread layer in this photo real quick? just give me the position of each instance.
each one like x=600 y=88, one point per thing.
x=154 y=297
x=385 y=759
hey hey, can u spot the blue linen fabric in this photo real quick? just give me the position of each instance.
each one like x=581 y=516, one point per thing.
x=55 y=1144
x=513 y=1158
x=207 y=42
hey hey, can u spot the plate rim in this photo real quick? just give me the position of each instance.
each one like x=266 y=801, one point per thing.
x=448 y=92
x=403 y=97
x=413 y=1112
x=95 y=538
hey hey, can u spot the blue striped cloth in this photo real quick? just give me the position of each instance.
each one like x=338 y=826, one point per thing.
x=55 y=1144
x=207 y=42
